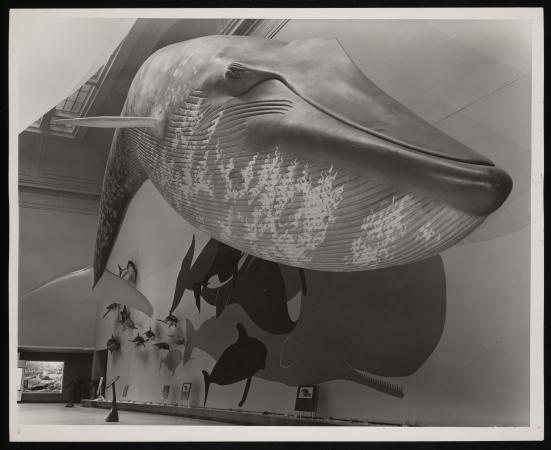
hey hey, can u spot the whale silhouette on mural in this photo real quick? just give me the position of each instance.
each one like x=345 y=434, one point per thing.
x=261 y=290
x=288 y=152
x=240 y=361
x=216 y=259
x=355 y=326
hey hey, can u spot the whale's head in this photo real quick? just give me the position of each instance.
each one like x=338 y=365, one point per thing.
x=287 y=151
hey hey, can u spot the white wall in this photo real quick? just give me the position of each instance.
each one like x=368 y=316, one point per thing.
x=52 y=243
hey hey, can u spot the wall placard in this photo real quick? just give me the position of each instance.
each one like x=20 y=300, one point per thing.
x=307 y=398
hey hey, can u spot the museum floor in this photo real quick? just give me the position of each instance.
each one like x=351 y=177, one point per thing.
x=57 y=414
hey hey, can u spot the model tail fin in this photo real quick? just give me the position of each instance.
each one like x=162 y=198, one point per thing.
x=207 y=385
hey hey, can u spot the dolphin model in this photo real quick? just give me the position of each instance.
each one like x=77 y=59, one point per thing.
x=113 y=344
x=138 y=340
x=288 y=152
x=171 y=320
x=150 y=335
x=365 y=327
x=240 y=361
x=111 y=307
x=162 y=345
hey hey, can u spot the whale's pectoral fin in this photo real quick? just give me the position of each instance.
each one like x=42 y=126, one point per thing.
x=73 y=286
x=123 y=177
x=111 y=286
x=246 y=391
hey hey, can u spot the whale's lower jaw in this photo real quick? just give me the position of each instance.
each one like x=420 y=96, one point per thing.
x=304 y=214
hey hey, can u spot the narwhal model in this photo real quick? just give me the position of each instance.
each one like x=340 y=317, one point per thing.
x=286 y=151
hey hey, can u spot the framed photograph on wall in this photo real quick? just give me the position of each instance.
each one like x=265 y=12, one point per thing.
x=307 y=398
x=186 y=390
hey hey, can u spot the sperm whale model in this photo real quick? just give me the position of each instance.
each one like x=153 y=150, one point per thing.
x=288 y=152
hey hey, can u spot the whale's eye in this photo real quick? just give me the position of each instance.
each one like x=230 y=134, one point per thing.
x=235 y=71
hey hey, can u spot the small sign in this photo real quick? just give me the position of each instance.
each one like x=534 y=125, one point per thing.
x=125 y=391
x=307 y=398
x=166 y=392
x=186 y=391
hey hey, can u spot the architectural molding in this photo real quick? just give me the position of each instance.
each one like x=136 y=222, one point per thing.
x=57 y=200
x=266 y=28
x=48 y=349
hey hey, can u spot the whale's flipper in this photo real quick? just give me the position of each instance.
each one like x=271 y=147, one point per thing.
x=123 y=177
x=111 y=122
x=74 y=286
x=77 y=286
x=111 y=287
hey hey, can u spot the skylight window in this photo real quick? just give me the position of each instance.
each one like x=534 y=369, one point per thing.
x=76 y=105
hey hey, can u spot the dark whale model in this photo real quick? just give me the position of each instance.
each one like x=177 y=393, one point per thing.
x=288 y=152
x=239 y=361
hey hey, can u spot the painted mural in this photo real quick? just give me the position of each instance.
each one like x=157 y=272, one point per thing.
x=240 y=361
x=326 y=210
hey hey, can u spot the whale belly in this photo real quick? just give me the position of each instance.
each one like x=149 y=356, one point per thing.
x=284 y=208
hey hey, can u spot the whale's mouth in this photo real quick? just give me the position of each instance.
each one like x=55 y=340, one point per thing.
x=430 y=165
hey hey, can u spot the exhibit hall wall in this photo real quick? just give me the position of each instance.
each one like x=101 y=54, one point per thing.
x=443 y=341
x=478 y=371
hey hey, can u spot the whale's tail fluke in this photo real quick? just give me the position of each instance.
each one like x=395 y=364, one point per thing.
x=77 y=286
